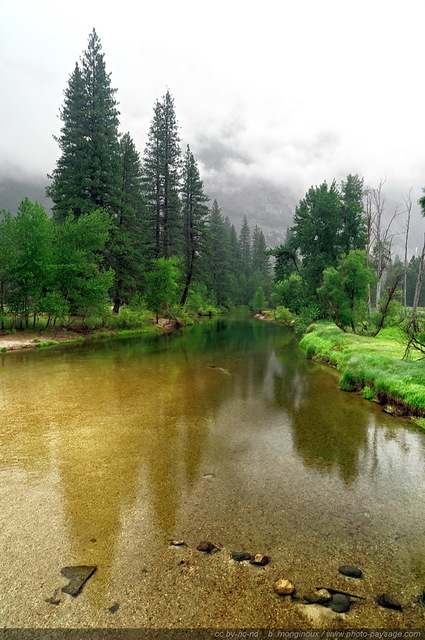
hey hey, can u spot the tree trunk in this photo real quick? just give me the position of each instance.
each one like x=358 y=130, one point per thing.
x=384 y=308
x=413 y=322
x=188 y=281
x=117 y=304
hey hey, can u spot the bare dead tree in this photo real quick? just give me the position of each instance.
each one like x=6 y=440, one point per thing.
x=408 y=209
x=379 y=236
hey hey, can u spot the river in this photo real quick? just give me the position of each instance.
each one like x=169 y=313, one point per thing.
x=223 y=432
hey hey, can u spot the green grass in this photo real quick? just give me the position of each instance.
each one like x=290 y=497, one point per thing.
x=47 y=343
x=372 y=364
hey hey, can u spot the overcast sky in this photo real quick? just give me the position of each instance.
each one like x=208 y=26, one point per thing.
x=294 y=92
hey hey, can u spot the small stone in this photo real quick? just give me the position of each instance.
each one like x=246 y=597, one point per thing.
x=206 y=546
x=260 y=559
x=320 y=596
x=339 y=603
x=240 y=556
x=384 y=600
x=77 y=577
x=178 y=543
x=114 y=608
x=284 y=587
x=351 y=572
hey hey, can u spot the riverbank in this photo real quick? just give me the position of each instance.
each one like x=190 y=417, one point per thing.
x=19 y=340
x=372 y=366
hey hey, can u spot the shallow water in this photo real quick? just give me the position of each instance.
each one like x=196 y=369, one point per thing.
x=223 y=433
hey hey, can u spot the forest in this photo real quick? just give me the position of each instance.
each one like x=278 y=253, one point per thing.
x=138 y=231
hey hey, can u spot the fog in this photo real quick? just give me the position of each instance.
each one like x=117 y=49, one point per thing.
x=272 y=97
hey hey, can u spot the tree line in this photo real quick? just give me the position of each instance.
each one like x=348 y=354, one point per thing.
x=337 y=260
x=125 y=227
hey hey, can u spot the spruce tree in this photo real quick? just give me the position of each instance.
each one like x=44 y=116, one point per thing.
x=128 y=236
x=245 y=248
x=260 y=259
x=217 y=267
x=86 y=174
x=161 y=179
x=353 y=232
x=194 y=212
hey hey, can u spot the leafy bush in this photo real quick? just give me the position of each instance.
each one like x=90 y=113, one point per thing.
x=306 y=316
x=283 y=315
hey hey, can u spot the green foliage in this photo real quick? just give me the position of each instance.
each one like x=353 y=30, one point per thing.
x=200 y=301
x=344 y=289
x=126 y=247
x=283 y=315
x=79 y=280
x=86 y=175
x=195 y=212
x=306 y=316
x=161 y=180
x=3 y=349
x=161 y=285
x=259 y=302
x=328 y=222
x=289 y=293
x=368 y=393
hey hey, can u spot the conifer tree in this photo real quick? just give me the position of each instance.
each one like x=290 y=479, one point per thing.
x=86 y=174
x=194 y=212
x=260 y=259
x=161 y=179
x=245 y=248
x=217 y=267
x=128 y=236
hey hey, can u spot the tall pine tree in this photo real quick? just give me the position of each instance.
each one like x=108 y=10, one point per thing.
x=194 y=212
x=86 y=174
x=161 y=179
x=128 y=236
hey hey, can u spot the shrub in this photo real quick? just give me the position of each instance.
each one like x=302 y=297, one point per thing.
x=368 y=393
x=283 y=315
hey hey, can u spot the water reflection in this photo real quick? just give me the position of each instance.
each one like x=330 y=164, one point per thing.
x=328 y=436
x=133 y=426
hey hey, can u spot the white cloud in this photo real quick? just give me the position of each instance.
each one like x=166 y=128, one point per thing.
x=295 y=93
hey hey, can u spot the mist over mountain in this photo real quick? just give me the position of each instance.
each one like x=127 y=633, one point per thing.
x=264 y=204
x=13 y=191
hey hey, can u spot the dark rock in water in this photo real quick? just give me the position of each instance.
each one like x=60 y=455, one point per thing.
x=207 y=547
x=240 y=556
x=344 y=593
x=114 y=608
x=351 y=572
x=384 y=600
x=339 y=603
x=55 y=599
x=320 y=596
x=260 y=559
x=77 y=577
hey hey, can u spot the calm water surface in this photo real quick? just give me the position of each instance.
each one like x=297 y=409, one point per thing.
x=223 y=433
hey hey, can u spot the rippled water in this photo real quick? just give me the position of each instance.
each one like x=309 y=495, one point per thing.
x=226 y=433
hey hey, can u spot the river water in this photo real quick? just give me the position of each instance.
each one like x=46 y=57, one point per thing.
x=225 y=433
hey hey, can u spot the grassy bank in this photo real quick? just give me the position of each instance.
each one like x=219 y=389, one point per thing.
x=373 y=366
